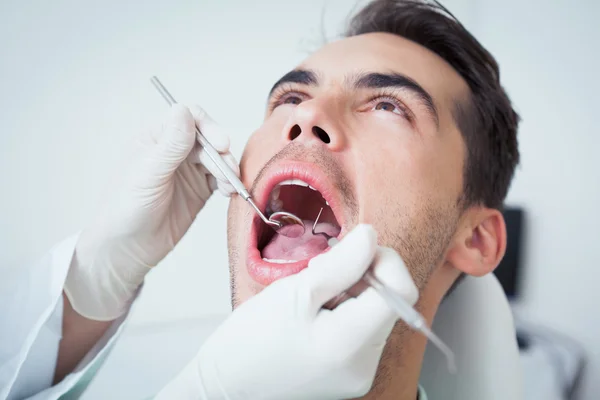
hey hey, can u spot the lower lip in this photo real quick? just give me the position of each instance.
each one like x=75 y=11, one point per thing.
x=264 y=272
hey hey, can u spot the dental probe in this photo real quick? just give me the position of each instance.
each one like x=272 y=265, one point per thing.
x=402 y=308
x=278 y=219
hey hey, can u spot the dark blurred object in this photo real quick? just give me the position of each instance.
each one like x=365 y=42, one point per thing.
x=510 y=268
x=553 y=364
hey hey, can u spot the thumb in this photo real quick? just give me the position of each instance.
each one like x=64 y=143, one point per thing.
x=331 y=273
x=176 y=139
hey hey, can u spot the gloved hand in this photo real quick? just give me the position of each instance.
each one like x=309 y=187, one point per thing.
x=281 y=344
x=168 y=183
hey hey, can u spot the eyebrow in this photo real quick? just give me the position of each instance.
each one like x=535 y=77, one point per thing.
x=300 y=76
x=372 y=80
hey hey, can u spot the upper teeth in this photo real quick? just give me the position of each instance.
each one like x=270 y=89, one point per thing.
x=298 y=182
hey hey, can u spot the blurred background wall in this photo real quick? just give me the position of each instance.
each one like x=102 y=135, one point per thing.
x=74 y=78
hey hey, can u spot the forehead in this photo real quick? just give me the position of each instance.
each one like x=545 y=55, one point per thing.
x=384 y=52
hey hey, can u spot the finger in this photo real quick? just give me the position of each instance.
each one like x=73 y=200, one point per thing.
x=176 y=140
x=225 y=188
x=212 y=182
x=232 y=163
x=194 y=156
x=216 y=180
x=210 y=129
x=336 y=301
x=331 y=273
x=390 y=269
x=393 y=274
x=197 y=155
x=212 y=167
x=368 y=315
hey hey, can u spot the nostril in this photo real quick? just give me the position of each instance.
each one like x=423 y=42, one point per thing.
x=295 y=132
x=321 y=134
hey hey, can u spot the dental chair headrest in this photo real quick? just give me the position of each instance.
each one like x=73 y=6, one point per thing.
x=476 y=322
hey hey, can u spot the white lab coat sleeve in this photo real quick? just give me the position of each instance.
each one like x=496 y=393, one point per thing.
x=31 y=309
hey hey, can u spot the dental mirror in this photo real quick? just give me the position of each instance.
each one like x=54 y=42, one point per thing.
x=287 y=224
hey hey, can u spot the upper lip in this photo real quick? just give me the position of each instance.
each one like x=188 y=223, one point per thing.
x=307 y=172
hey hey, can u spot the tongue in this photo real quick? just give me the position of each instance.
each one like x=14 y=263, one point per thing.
x=302 y=247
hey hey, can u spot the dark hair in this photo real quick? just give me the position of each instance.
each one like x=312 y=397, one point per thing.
x=486 y=120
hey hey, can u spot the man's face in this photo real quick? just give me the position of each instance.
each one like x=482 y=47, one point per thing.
x=367 y=121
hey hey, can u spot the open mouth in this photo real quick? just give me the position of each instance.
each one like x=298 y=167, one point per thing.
x=302 y=191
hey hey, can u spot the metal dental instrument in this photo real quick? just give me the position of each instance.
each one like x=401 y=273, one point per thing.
x=397 y=303
x=277 y=220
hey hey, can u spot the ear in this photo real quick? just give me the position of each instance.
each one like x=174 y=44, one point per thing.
x=480 y=242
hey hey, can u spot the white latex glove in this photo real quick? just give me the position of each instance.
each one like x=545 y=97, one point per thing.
x=169 y=181
x=281 y=344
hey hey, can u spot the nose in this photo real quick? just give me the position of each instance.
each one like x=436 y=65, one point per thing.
x=314 y=122
x=317 y=131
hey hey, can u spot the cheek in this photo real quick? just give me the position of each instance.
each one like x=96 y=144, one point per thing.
x=415 y=169
x=403 y=175
x=394 y=168
x=244 y=286
x=235 y=234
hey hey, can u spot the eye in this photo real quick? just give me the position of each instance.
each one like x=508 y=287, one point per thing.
x=388 y=106
x=285 y=96
x=291 y=99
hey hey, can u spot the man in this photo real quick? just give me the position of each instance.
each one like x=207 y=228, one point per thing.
x=408 y=125
x=402 y=125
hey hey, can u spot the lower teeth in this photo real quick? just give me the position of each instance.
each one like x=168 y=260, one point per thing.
x=275 y=261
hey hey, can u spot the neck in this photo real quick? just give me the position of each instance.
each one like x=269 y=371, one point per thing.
x=400 y=366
